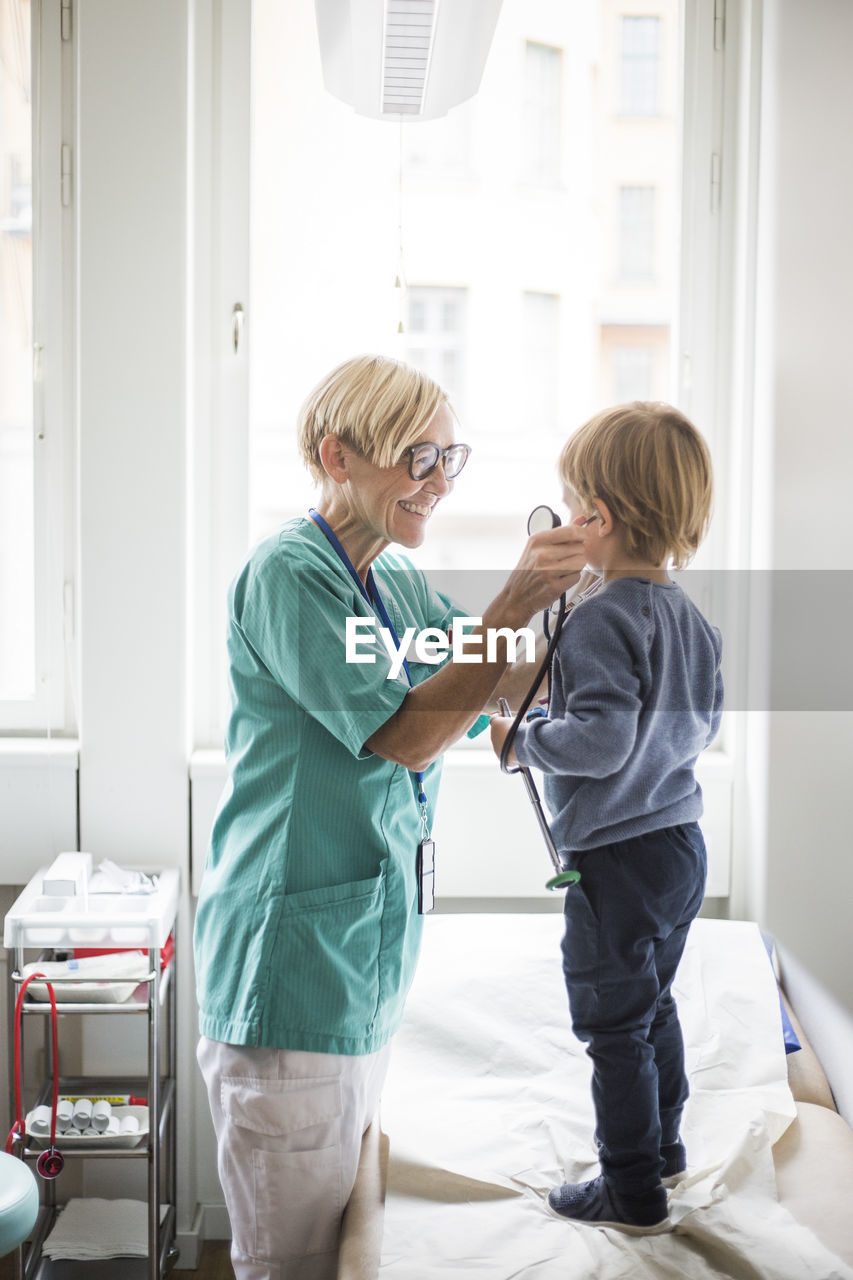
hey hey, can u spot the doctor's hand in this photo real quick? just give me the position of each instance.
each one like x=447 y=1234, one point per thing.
x=552 y=562
x=499 y=727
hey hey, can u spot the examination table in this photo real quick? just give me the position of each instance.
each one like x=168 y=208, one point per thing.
x=487 y=1106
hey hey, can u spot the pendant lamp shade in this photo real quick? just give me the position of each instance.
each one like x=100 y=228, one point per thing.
x=404 y=59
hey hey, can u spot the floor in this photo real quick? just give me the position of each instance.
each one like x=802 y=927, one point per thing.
x=214 y=1264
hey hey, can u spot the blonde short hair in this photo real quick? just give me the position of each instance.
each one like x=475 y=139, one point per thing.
x=651 y=467
x=376 y=405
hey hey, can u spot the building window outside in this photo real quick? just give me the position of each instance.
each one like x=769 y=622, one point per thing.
x=541 y=138
x=633 y=372
x=541 y=321
x=17 y=564
x=635 y=363
x=436 y=337
x=636 y=233
x=640 y=61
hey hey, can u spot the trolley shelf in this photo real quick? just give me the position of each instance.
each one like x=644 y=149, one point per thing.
x=138 y=1002
x=81 y=1085
x=119 y=1268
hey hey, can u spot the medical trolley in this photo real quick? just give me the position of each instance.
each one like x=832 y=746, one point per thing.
x=44 y=930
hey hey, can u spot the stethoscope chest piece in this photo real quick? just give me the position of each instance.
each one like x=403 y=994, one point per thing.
x=50 y=1163
x=540 y=519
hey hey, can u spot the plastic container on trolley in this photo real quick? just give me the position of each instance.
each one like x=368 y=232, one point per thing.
x=98 y=920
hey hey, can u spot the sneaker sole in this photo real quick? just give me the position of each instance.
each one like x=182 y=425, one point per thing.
x=657 y=1229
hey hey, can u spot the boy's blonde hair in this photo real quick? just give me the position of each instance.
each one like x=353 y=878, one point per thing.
x=376 y=405
x=652 y=468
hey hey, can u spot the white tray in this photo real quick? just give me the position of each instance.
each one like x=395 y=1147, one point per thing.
x=100 y=920
x=109 y=979
x=73 y=1138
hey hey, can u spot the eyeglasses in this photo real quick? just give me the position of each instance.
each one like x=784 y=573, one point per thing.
x=425 y=457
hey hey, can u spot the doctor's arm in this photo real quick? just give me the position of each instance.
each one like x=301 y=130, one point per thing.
x=442 y=708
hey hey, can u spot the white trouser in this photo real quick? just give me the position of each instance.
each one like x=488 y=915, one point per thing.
x=288 y=1129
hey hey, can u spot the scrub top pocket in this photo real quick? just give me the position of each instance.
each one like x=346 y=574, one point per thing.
x=340 y=927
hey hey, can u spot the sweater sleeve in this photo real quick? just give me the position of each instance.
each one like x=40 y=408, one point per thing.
x=595 y=734
x=717 y=710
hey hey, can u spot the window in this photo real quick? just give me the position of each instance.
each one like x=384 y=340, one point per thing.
x=636 y=233
x=509 y=291
x=36 y=475
x=541 y=320
x=640 y=58
x=17 y=549
x=436 y=337
x=634 y=363
x=541 y=141
x=633 y=369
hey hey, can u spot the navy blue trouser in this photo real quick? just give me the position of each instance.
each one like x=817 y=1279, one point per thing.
x=626 y=926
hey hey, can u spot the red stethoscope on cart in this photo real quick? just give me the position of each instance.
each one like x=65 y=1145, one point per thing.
x=50 y=1163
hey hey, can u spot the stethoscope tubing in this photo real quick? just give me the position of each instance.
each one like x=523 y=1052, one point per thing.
x=51 y=1161
x=562 y=877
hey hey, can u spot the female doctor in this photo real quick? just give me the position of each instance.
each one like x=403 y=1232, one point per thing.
x=308 y=924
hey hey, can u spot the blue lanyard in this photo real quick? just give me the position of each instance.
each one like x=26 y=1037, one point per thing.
x=371 y=594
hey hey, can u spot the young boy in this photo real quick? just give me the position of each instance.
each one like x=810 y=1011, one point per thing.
x=636 y=694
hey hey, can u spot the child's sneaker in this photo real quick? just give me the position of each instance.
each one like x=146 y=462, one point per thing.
x=597 y=1205
x=674 y=1163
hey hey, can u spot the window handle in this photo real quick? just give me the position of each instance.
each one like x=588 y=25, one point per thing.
x=237 y=317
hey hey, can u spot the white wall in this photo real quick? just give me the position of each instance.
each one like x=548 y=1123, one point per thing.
x=132 y=203
x=131 y=164
x=804 y=405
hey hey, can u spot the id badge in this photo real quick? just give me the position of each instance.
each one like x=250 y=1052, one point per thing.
x=426 y=876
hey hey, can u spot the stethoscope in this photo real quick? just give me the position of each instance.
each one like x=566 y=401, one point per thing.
x=540 y=519
x=50 y=1163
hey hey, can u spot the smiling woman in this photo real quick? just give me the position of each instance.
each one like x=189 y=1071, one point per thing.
x=379 y=488
x=320 y=863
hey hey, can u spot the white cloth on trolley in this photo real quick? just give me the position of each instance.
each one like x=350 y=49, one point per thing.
x=94 y=1228
x=487 y=1106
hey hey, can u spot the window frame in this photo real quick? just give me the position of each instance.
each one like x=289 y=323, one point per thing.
x=712 y=353
x=713 y=82
x=218 y=256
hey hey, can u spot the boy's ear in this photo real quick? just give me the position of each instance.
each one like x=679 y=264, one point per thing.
x=606 y=523
x=333 y=458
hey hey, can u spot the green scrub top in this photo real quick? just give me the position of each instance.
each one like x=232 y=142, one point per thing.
x=307 y=931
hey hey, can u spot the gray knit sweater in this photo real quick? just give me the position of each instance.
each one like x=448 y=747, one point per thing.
x=636 y=694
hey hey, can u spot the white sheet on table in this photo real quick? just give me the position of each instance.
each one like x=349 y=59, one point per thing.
x=487 y=1107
